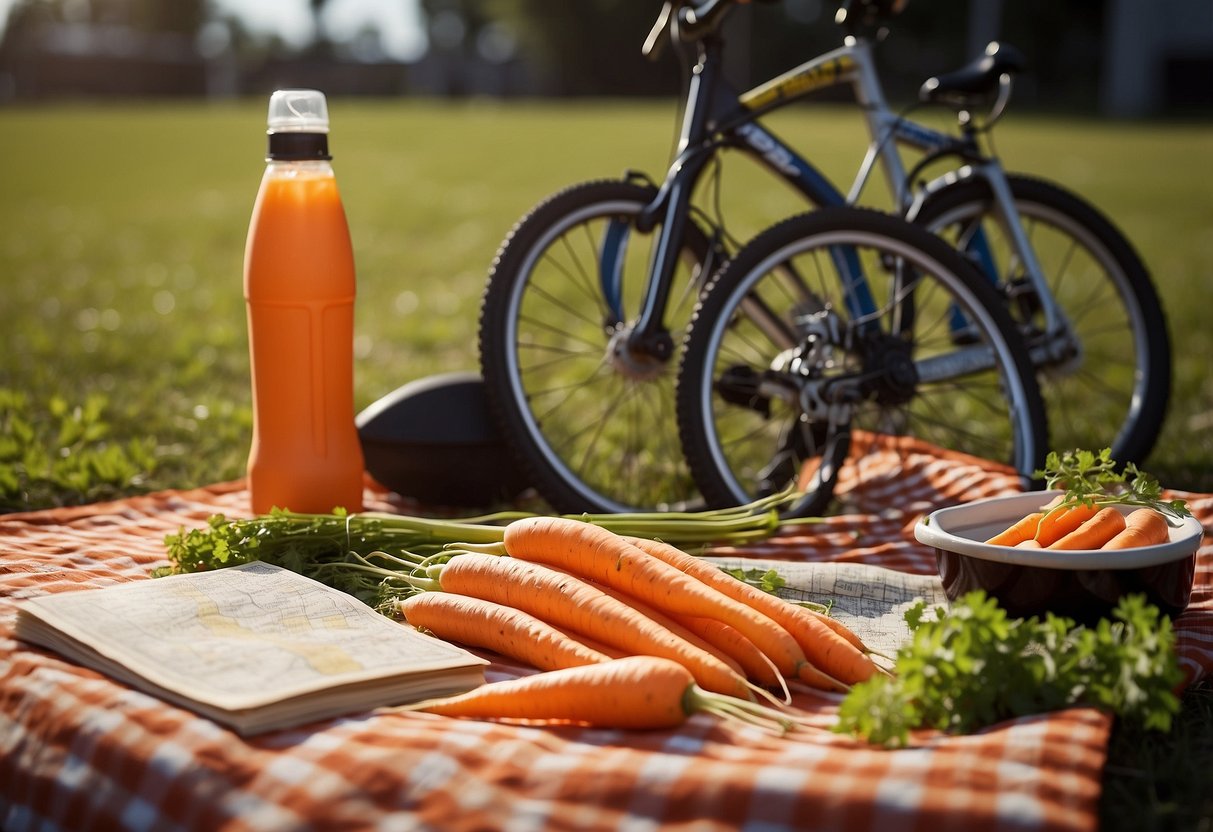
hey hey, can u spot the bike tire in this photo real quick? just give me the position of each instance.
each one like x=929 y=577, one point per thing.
x=590 y=429
x=779 y=318
x=1111 y=386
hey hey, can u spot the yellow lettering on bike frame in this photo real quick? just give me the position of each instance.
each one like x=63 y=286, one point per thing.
x=798 y=81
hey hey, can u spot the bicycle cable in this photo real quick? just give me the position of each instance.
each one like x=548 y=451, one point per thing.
x=719 y=228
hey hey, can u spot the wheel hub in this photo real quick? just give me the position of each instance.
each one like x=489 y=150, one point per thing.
x=636 y=364
x=892 y=377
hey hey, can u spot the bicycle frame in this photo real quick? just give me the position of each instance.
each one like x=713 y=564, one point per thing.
x=717 y=115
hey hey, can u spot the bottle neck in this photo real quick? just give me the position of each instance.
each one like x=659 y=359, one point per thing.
x=298 y=147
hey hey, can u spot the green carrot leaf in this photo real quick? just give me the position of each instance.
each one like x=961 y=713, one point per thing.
x=1093 y=479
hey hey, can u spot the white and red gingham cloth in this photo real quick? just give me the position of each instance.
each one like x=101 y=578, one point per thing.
x=79 y=751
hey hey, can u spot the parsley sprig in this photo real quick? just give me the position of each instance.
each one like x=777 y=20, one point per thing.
x=972 y=666
x=1093 y=479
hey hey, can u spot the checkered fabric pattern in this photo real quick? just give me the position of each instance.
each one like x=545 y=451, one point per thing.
x=79 y=751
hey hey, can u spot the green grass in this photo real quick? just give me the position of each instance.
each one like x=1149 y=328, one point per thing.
x=122 y=232
x=122 y=320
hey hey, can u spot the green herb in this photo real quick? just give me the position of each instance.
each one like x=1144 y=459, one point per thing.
x=973 y=666
x=1094 y=480
x=768 y=580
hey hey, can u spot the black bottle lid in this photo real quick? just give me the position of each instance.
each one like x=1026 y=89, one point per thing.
x=295 y=147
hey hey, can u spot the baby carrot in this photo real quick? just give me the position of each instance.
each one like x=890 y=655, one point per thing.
x=1143 y=527
x=510 y=632
x=599 y=555
x=1059 y=522
x=830 y=653
x=1094 y=533
x=1024 y=529
x=1030 y=543
x=637 y=692
x=572 y=604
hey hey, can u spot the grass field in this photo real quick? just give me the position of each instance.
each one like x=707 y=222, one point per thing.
x=122 y=329
x=122 y=232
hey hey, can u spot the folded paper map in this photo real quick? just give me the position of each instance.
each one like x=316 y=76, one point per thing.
x=255 y=647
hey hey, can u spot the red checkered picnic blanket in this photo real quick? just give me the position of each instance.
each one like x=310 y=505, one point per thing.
x=80 y=751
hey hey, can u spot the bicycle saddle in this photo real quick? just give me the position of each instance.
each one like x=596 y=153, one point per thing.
x=975 y=79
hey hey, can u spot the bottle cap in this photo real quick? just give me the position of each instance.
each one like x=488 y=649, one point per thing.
x=298 y=111
x=298 y=126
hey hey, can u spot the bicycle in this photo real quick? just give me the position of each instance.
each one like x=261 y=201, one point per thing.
x=687 y=246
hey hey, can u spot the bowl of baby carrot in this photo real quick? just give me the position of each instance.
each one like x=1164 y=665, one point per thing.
x=1072 y=550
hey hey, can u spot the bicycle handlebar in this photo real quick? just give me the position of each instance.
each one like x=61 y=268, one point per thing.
x=697 y=20
x=691 y=22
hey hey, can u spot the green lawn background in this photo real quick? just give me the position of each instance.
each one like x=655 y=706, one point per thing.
x=122 y=232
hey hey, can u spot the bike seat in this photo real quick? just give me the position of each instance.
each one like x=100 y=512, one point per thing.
x=974 y=80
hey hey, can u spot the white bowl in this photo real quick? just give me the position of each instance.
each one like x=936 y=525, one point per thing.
x=1083 y=584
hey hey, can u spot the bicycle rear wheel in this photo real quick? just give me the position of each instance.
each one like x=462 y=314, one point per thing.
x=836 y=322
x=591 y=426
x=1107 y=381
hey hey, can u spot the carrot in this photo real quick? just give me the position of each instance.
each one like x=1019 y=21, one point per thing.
x=600 y=555
x=1024 y=529
x=478 y=623
x=729 y=641
x=566 y=602
x=598 y=647
x=1143 y=527
x=1030 y=543
x=674 y=626
x=637 y=692
x=1059 y=522
x=835 y=625
x=826 y=650
x=1094 y=533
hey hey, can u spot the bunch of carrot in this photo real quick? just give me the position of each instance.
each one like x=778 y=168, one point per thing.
x=561 y=594
x=1084 y=526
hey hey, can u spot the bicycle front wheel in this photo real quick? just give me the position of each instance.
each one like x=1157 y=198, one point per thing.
x=591 y=424
x=835 y=326
x=1106 y=379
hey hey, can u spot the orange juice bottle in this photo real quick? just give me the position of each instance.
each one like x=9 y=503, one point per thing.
x=299 y=286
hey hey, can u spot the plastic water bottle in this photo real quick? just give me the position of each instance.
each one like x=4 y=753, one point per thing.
x=299 y=287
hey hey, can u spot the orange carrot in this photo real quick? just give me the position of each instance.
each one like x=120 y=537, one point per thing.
x=1143 y=527
x=835 y=625
x=510 y=632
x=1059 y=522
x=670 y=623
x=1024 y=529
x=572 y=604
x=1094 y=533
x=599 y=555
x=730 y=642
x=637 y=692
x=597 y=646
x=832 y=654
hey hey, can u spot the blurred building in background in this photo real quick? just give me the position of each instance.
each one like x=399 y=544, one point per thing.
x=1125 y=58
